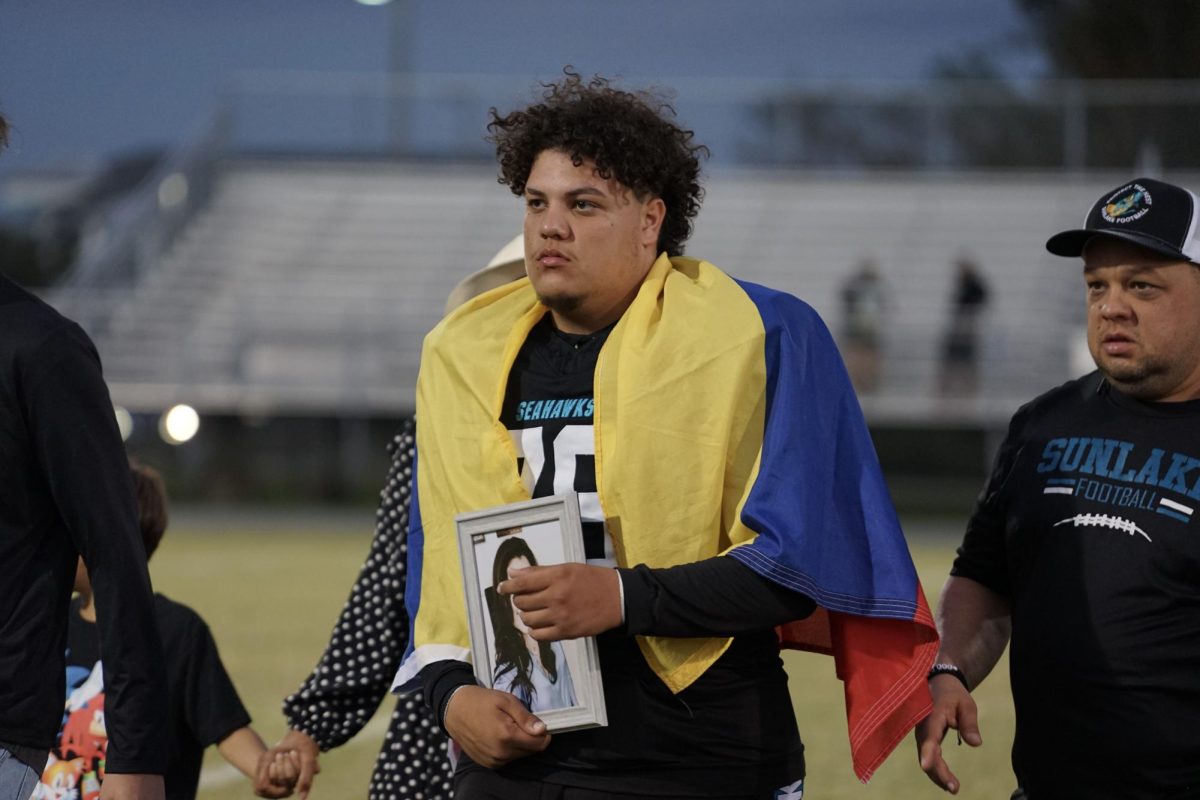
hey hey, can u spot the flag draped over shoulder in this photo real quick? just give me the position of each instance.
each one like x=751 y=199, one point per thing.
x=725 y=425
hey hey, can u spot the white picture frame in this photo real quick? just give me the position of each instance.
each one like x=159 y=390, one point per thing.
x=562 y=683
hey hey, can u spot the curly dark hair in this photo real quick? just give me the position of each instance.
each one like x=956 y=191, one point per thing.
x=629 y=136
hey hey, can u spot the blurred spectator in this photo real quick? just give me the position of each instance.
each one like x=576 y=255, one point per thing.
x=369 y=640
x=864 y=298
x=204 y=707
x=67 y=494
x=960 y=354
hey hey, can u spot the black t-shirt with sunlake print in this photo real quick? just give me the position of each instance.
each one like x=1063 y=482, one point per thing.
x=1090 y=526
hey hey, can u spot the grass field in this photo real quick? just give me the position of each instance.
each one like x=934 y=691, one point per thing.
x=271 y=587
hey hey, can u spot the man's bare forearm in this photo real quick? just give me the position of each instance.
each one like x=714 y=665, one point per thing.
x=975 y=625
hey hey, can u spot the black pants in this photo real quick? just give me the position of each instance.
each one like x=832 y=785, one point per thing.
x=483 y=784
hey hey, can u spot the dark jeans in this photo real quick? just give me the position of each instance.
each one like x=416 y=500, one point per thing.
x=482 y=784
x=17 y=779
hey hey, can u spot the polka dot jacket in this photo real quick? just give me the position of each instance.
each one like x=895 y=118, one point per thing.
x=368 y=641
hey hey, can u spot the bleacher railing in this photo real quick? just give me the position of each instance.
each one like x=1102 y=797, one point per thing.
x=131 y=236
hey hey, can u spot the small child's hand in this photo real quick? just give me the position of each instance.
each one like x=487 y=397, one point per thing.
x=276 y=775
x=288 y=766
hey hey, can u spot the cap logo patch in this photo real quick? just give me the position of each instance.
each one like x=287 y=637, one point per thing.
x=1127 y=204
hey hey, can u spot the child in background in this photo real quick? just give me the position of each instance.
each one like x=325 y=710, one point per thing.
x=203 y=706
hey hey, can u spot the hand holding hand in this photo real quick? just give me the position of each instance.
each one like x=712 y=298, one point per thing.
x=288 y=766
x=565 y=601
x=953 y=707
x=493 y=727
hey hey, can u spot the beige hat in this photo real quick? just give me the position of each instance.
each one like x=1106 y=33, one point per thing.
x=506 y=266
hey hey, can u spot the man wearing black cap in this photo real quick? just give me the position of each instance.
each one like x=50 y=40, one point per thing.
x=1083 y=545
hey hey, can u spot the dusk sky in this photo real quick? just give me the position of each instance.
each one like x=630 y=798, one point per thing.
x=81 y=80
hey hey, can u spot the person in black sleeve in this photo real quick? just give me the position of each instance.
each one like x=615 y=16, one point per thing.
x=721 y=465
x=67 y=494
x=203 y=707
x=1084 y=546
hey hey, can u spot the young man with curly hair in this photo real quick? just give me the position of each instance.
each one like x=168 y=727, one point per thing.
x=724 y=473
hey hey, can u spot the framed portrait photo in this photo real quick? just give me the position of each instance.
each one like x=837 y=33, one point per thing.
x=558 y=681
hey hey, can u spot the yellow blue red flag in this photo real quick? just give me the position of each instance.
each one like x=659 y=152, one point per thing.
x=725 y=424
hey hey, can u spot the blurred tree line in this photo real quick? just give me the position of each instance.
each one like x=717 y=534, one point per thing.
x=1123 y=89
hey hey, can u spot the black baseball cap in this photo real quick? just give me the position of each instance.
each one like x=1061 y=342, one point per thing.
x=1153 y=214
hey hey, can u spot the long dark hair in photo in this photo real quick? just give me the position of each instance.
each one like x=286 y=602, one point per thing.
x=511 y=652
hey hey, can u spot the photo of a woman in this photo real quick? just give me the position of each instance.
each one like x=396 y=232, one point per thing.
x=536 y=672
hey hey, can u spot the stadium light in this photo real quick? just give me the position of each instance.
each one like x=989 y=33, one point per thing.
x=124 y=422
x=373 y=2
x=179 y=424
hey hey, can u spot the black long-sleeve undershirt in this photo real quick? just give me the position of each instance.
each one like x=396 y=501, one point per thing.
x=714 y=597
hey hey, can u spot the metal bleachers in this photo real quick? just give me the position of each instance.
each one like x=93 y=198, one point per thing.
x=805 y=234
x=306 y=287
